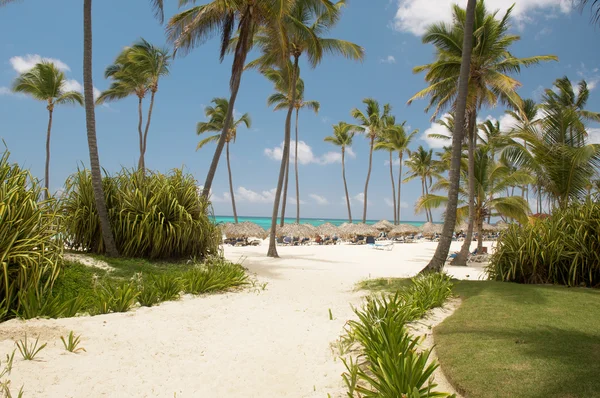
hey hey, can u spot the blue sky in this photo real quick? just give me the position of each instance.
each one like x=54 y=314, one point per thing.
x=388 y=30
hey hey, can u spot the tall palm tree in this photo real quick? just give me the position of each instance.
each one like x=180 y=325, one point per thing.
x=194 y=26
x=45 y=82
x=422 y=165
x=372 y=124
x=216 y=117
x=342 y=136
x=397 y=140
x=381 y=145
x=137 y=71
x=281 y=100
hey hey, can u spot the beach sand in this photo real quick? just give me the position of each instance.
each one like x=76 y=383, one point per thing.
x=255 y=343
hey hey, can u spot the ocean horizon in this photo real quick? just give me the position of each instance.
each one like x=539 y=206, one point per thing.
x=265 y=222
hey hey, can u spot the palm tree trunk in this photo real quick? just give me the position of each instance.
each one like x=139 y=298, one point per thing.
x=428 y=210
x=461 y=258
x=296 y=167
x=47 y=171
x=235 y=217
x=346 y=185
x=148 y=119
x=285 y=192
x=90 y=121
x=423 y=195
x=272 y=252
x=364 y=219
x=393 y=190
x=400 y=155
x=479 y=220
x=237 y=68
x=140 y=134
x=441 y=253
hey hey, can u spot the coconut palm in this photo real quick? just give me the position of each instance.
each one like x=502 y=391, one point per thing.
x=342 y=136
x=422 y=165
x=137 y=71
x=45 y=82
x=216 y=117
x=395 y=139
x=594 y=8
x=281 y=100
x=372 y=123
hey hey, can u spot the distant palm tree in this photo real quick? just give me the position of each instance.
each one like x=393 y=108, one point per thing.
x=281 y=101
x=342 y=136
x=137 y=71
x=372 y=124
x=45 y=82
x=422 y=165
x=216 y=118
x=5 y=2
x=594 y=8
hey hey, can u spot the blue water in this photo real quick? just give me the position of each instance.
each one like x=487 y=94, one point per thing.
x=265 y=222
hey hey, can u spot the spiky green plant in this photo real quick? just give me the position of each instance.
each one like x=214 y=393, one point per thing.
x=71 y=343
x=30 y=238
x=216 y=274
x=153 y=215
x=168 y=287
x=29 y=351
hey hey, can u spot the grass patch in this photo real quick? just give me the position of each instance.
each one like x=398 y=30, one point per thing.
x=511 y=340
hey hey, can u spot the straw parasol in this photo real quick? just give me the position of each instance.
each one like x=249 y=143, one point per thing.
x=243 y=230
x=327 y=229
x=501 y=226
x=384 y=225
x=297 y=230
x=404 y=229
x=487 y=227
x=462 y=227
x=430 y=228
x=358 y=229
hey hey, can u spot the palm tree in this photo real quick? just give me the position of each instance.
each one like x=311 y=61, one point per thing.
x=395 y=139
x=216 y=117
x=45 y=82
x=281 y=100
x=594 y=8
x=372 y=124
x=136 y=71
x=422 y=165
x=342 y=136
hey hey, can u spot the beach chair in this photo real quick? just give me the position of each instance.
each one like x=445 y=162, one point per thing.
x=388 y=246
x=370 y=240
x=287 y=241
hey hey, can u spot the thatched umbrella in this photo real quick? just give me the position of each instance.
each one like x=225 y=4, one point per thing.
x=404 y=229
x=327 y=229
x=462 y=227
x=384 y=225
x=501 y=226
x=358 y=229
x=244 y=229
x=430 y=228
x=297 y=230
x=487 y=227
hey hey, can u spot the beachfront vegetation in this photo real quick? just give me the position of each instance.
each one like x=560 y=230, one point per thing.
x=29 y=351
x=71 y=343
x=153 y=215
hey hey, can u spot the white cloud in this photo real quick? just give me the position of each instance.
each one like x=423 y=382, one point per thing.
x=395 y=162
x=74 y=85
x=226 y=198
x=390 y=203
x=292 y=200
x=593 y=135
x=543 y=32
x=23 y=64
x=319 y=199
x=390 y=59
x=413 y=16
x=306 y=155
x=5 y=91
x=591 y=77
x=436 y=128
x=403 y=205
x=247 y=195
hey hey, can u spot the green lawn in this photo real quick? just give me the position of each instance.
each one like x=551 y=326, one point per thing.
x=510 y=340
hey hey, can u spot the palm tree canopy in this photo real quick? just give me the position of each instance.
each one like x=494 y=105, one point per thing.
x=216 y=120
x=45 y=82
x=343 y=133
x=421 y=164
x=373 y=121
x=394 y=138
x=281 y=98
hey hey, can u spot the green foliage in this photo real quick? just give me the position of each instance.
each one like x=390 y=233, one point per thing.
x=216 y=274
x=153 y=215
x=148 y=293
x=5 y=371
x=72 y=342
x=30 y=240
x=115 y=297
x=168 y=287
x=29 y=351
x=48 y=305
x=562 y=249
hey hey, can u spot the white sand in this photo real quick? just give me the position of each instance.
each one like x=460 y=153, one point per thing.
x=257 y=343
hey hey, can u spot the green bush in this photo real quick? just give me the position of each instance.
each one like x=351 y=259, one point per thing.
x=215 y=274
x=562 y=249
x=31 y=245
x=156 y=216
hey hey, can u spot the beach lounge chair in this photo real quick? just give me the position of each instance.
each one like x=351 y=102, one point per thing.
x=370 y=240
x=287 y=240
x=389 y=246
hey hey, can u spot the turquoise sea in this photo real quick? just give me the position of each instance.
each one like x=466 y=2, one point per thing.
x=265 y=222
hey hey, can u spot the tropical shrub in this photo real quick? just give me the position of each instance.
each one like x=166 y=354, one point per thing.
x=115 y=297
x=215 y=274
x=153 y=215
x=561 y=249
x=31 y=243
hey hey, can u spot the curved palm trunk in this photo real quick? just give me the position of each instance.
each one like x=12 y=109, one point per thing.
x=393 y=190
x=140 y=133
x=400 y=155
x=148 y=119
x=441 y=253
x=235 y=217
x=272 y=252
x=428 y=210
x=364 y=219
x=285 y=192
x=47 y=170
x=461 y=258
x=237 y=69
x=90 y=121
x=423 y=195
x=346 y=185
x=296 y=167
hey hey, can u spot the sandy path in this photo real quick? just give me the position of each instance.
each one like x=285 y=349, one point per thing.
x=257 y=343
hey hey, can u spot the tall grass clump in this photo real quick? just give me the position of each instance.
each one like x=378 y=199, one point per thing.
x=390 y=363
x=214 y=274
x=153 y=215
x=31 y=244
x=561 y=249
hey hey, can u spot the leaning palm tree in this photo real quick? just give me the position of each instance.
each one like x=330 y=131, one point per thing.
x=281 y=100
x=137 y=71
x=342 y=136
x=372 y=123
x=216 y=117
x=45 y=82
